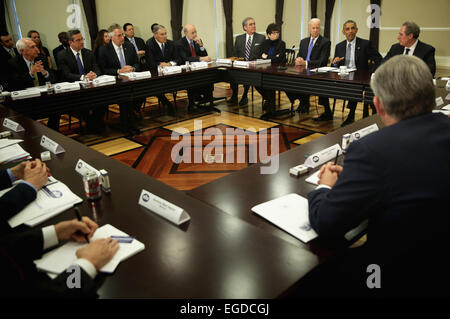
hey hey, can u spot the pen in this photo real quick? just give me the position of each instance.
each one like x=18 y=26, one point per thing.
x=77 y=212
x=337 y=155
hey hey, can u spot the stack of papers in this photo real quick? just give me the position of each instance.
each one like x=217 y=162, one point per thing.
x=60 y=259
x=12 y=152
x=290 y=213
x=8 y=142
x=51 y=200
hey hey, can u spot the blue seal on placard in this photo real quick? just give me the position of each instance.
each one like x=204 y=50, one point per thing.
x=43 y=139
x=146 y=198
x=306 y=227
x=80 y=165
x=315 y=159
x=357 y=136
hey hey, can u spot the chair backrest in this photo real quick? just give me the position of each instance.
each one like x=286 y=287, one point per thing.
x=290 y=57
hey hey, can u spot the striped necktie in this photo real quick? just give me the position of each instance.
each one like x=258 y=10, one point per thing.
x=248 y=47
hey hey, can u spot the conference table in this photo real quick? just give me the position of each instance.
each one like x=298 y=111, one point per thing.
x=224 y=251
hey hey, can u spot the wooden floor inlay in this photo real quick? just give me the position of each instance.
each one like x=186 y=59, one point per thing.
x=116 y=146
x=307 y=139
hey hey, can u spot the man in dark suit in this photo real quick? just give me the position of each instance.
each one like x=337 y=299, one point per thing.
x=190 y=48
x=161 y=52
x=357 y=53
x=64 y=40
x=20 y=277
x=34 y=175
x=398 y=184
x=314 y=52
x=409 y=44
x=7 y=51
x=78 y=64
x=120 y=57
x=247 y=46
x=138 y=43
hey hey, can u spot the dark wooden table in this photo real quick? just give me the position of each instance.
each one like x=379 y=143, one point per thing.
x=215 y=255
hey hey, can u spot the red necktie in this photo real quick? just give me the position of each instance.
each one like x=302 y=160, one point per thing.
x=192 y=50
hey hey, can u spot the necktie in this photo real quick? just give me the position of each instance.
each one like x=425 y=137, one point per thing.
x=122 y=59
x=12 y=53
x=309 y=50
x=163 y=48
x=193 y=54
x=348 y=55
x=134 y=43
x=36 y=78
x=80 y=65
x=407 y=51
x=248 y=47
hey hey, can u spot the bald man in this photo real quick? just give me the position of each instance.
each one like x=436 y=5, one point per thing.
x=313 y=53
x=190 y=48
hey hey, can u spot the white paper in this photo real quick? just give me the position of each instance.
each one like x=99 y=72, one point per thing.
x=163 y=208
x=447 y=107
x=61 y=258
x=363 y=132
x=51 y=145
x=12 y=152
x=445 y=112
x=313 y=179
x=7 y=142
x=439 y=101
x=290 y=213
x=49 y=199
x=324 y=156
x=13 y=126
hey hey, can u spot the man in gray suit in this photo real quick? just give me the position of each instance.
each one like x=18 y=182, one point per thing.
x=247 y=46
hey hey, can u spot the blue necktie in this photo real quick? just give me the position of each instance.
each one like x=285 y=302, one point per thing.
x=309 y=50
x=122 y=59
x=163 y=48
x=134 y=43
x=80 y=65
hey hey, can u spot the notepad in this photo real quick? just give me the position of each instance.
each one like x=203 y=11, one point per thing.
x=61 y=258
x=290 y=213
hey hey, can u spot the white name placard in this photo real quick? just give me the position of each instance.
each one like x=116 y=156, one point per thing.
x=51 y=145
x=324 y=156
x=365 y=131
x=66 y=87
x=82 y=168
x=163 y=208
x=104 y=80
x=241 y=64
x=25 y=94
x=137 y=75
x=226 y=62
x=172 y=70
x=439 y=101
x=13 y=126
x=199 y=65
x=263 y=61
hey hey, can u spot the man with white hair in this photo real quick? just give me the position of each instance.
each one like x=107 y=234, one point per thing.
x=117 y=57
x=26 y=70
x=190 y=48
x=313 y=53
x=397 y=179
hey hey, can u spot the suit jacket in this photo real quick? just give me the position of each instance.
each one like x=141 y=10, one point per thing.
x=184 y=51
x=319 y=54
x=13 y=201
x=109 y=62
x=401 y=187
x=140 y=43
x=20 y=278
x=423 y=51
x=255 y=50
x=364 y=51
x=279 y=55
x=4 y=72
x=57 y=50
x=20 y=74
x=69 y=67
x=155 y=56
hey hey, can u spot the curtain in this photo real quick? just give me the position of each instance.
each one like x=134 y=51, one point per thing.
x=176 y=10
x=328 y=14
x=279 y=14
x=228 y=10
x=3 y=17
x=90 y=11
x=313 y=9
x=375 y=30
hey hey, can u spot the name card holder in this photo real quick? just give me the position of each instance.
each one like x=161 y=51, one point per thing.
x=323 y=157
x=51 y=145
x=439 y=101
x=13 y=126
x=25 y=94
x=447 y=86
x=172 y=70
x=163 y=208
x=82 y=168
x=241 y=64
x=224 y=62
x=365 y=131
x=263 y=61
x=104 y=80
x=199 y=65
x=66 y=87
x=137 y=75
